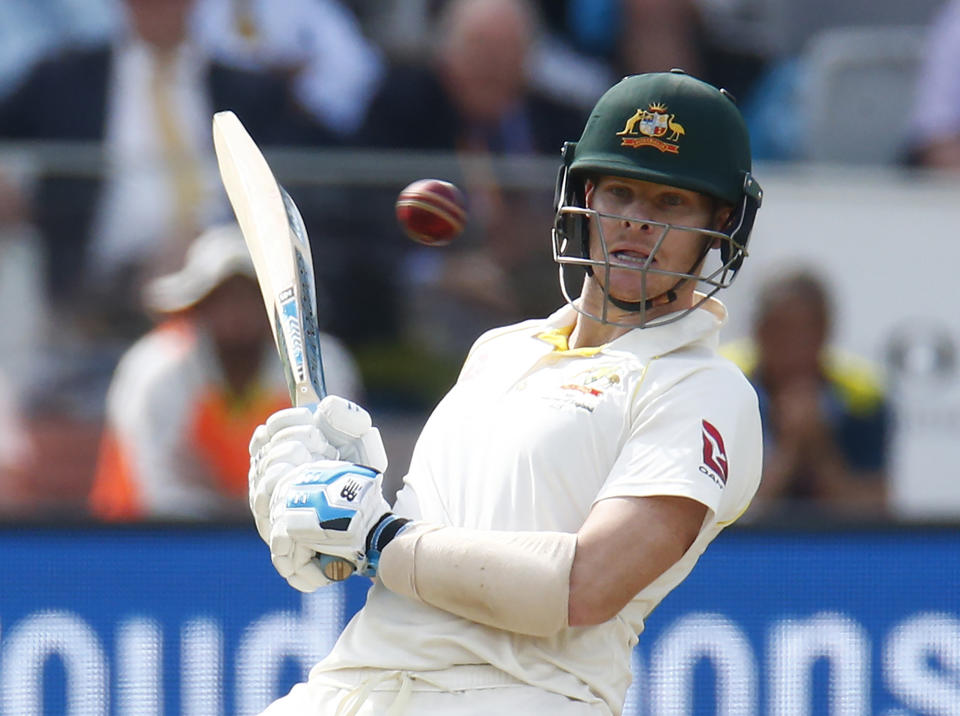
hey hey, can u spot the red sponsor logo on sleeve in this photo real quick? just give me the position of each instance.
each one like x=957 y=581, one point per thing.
x=714 y=452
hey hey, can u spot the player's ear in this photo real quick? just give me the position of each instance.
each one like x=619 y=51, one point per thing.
x=589 y=185
x=721 y=217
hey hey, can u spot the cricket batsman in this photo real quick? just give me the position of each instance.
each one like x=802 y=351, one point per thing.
x=578 y=468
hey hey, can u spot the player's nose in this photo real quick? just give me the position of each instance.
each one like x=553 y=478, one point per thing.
x=637 y=222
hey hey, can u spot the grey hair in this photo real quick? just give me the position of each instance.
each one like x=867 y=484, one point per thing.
x=447 y=16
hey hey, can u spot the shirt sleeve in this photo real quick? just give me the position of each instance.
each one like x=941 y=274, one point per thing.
x=699 y=438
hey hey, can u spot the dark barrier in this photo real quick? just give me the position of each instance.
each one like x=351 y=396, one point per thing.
x=194 y=621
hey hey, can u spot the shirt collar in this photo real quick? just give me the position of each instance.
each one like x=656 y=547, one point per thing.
x=702 y=324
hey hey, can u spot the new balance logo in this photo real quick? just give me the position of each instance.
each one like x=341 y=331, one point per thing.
x=714 y=452
x=350 y=491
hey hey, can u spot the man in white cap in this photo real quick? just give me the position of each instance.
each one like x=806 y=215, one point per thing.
x=185 y=397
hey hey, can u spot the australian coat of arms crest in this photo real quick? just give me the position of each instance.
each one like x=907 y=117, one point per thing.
x=653 y=127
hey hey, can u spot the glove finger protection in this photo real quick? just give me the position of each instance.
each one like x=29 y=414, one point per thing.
x=275 y=422
x=290 y=449
x=308 y=436
x=275 y=460
x=287 y=439
x=258 y=440
x=296 y=563
x=367 y=450
x=309 y=579
x=341 y=420
x=262 y=489
x=349 y=428
x=291 y=424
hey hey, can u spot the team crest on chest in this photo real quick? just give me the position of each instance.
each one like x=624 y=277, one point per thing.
x=586 y=388
x=652 y=127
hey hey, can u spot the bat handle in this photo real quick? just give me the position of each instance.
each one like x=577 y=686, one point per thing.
x=336 y=569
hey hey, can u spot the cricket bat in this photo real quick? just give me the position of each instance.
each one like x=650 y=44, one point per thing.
x=277 y=241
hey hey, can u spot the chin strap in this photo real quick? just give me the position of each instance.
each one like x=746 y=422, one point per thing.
x=640 y=306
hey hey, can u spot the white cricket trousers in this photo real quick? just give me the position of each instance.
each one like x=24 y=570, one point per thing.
x=393 y=694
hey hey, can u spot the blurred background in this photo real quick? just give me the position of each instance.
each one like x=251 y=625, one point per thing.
x=135 y=361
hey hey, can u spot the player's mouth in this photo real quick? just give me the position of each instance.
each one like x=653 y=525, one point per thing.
x=628 y=257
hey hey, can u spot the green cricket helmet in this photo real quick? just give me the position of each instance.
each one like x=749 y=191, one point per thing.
x=666 y=128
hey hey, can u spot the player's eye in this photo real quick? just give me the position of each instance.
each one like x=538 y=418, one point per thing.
x=620 y=192
x=672 y=200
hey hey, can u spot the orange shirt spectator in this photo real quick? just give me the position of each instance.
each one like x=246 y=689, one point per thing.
x=186 y=397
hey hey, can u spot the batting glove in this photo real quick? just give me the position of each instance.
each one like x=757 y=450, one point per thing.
x=288 y=439
x=296 y=563
x=349 y=429
x=337 y=429
x=333 y=508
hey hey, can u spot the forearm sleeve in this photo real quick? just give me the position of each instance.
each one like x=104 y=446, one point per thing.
x=517 y=581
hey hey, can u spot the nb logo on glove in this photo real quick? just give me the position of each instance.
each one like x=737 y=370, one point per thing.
x=350 y=491
x=332 y=492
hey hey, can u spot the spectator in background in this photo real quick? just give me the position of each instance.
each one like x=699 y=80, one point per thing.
x=186 y=396
x=656 y=35
x=826 y=420
x=473 y=93
x=334 y=69
x=16 y=452
x=936 y=107
x=146 y=98
x=631 y=36
x=482 y=105
x=582 y=46
x=31 y=29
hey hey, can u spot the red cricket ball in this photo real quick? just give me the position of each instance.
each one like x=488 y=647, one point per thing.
x=431 y=211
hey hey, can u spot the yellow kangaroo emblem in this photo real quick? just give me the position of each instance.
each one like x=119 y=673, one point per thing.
x=631 y=124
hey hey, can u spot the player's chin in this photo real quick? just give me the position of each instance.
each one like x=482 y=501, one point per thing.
x=629 y=286
x=654 y=295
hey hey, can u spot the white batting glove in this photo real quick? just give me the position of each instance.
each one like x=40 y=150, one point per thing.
x=350 y=430
x=287 y=440
x=338 y=429
x=333 y=508
x=296 y=563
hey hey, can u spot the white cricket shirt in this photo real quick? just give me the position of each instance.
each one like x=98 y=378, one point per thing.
x=530 y=437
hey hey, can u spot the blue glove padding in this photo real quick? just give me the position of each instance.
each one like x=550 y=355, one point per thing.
x=334 y=508
x=337 y=429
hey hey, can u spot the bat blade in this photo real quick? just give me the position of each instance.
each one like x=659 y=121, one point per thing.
x=278 y=245
x=303 y=261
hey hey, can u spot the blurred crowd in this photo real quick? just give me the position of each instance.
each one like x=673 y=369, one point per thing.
x=136 y=356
